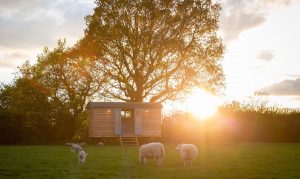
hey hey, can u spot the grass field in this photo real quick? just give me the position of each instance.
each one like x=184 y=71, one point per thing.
x=214 y=161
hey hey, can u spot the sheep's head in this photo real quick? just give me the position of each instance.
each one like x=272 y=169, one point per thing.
x=84 y=156
x=178 y=147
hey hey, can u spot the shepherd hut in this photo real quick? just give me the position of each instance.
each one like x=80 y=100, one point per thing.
x=124 y=120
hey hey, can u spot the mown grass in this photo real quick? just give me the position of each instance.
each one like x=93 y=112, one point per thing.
x=214 y=161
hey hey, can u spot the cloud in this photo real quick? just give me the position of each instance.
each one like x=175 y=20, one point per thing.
x=12 y=59
x=241 y=15
x=265 y=55
x=284 y=88
x=28 y=26
x=32 y=24
x=293 y=75
x=296 y=98
x=238 y=16
x=277 y=2
x=15 y=4
x=7 y=64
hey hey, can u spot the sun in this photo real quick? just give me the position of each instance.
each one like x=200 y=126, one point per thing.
x=202 y=104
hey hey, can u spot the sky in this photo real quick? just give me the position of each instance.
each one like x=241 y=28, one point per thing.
x=261 y=37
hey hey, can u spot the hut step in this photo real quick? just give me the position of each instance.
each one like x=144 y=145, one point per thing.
x=129 y=141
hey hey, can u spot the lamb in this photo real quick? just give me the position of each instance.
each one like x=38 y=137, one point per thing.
x=75 y=147
x=100 y=144
x=153 y=150
x=188 y=153
x=82 y=156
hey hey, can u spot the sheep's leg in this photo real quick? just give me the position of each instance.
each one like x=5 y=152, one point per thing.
x=144 y=161
x=158 y=161
x=161 y=161
x=183 y=162
x=189 y=163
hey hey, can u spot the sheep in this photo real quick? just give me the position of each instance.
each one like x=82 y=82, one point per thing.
x=188 y=153
x=75 y=147
x=100 y=144
x=152 y=150
x=81 y=156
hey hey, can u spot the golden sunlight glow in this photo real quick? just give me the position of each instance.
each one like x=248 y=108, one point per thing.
x=202 y=104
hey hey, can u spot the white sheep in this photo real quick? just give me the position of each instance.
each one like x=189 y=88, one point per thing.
x=75 y=147
x=100 y=144
x=154 y=150
x=81 y=156
x=188 y=153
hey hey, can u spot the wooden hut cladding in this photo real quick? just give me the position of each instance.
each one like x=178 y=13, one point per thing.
x=113 y=119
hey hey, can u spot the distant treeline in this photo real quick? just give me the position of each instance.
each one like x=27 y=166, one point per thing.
x=28 y=116
x=260 y=123
x=236 y=122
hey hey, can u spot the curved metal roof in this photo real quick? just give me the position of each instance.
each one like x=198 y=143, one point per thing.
x=124 y=105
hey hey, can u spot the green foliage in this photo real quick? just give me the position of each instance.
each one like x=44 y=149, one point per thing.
x=28 y=115
x=214 y=161
x=248 y=122
x=52 y=94
x=182 y=128
x=66 y=76
x=11 y=128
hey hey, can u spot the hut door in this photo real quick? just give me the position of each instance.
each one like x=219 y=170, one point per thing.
x=117 y=121
x=138 y=121
x=127 y=119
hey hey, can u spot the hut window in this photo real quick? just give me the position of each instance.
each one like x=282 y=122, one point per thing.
x=126 y=115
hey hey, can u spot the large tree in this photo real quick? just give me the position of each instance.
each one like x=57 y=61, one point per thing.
x=155 y=50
